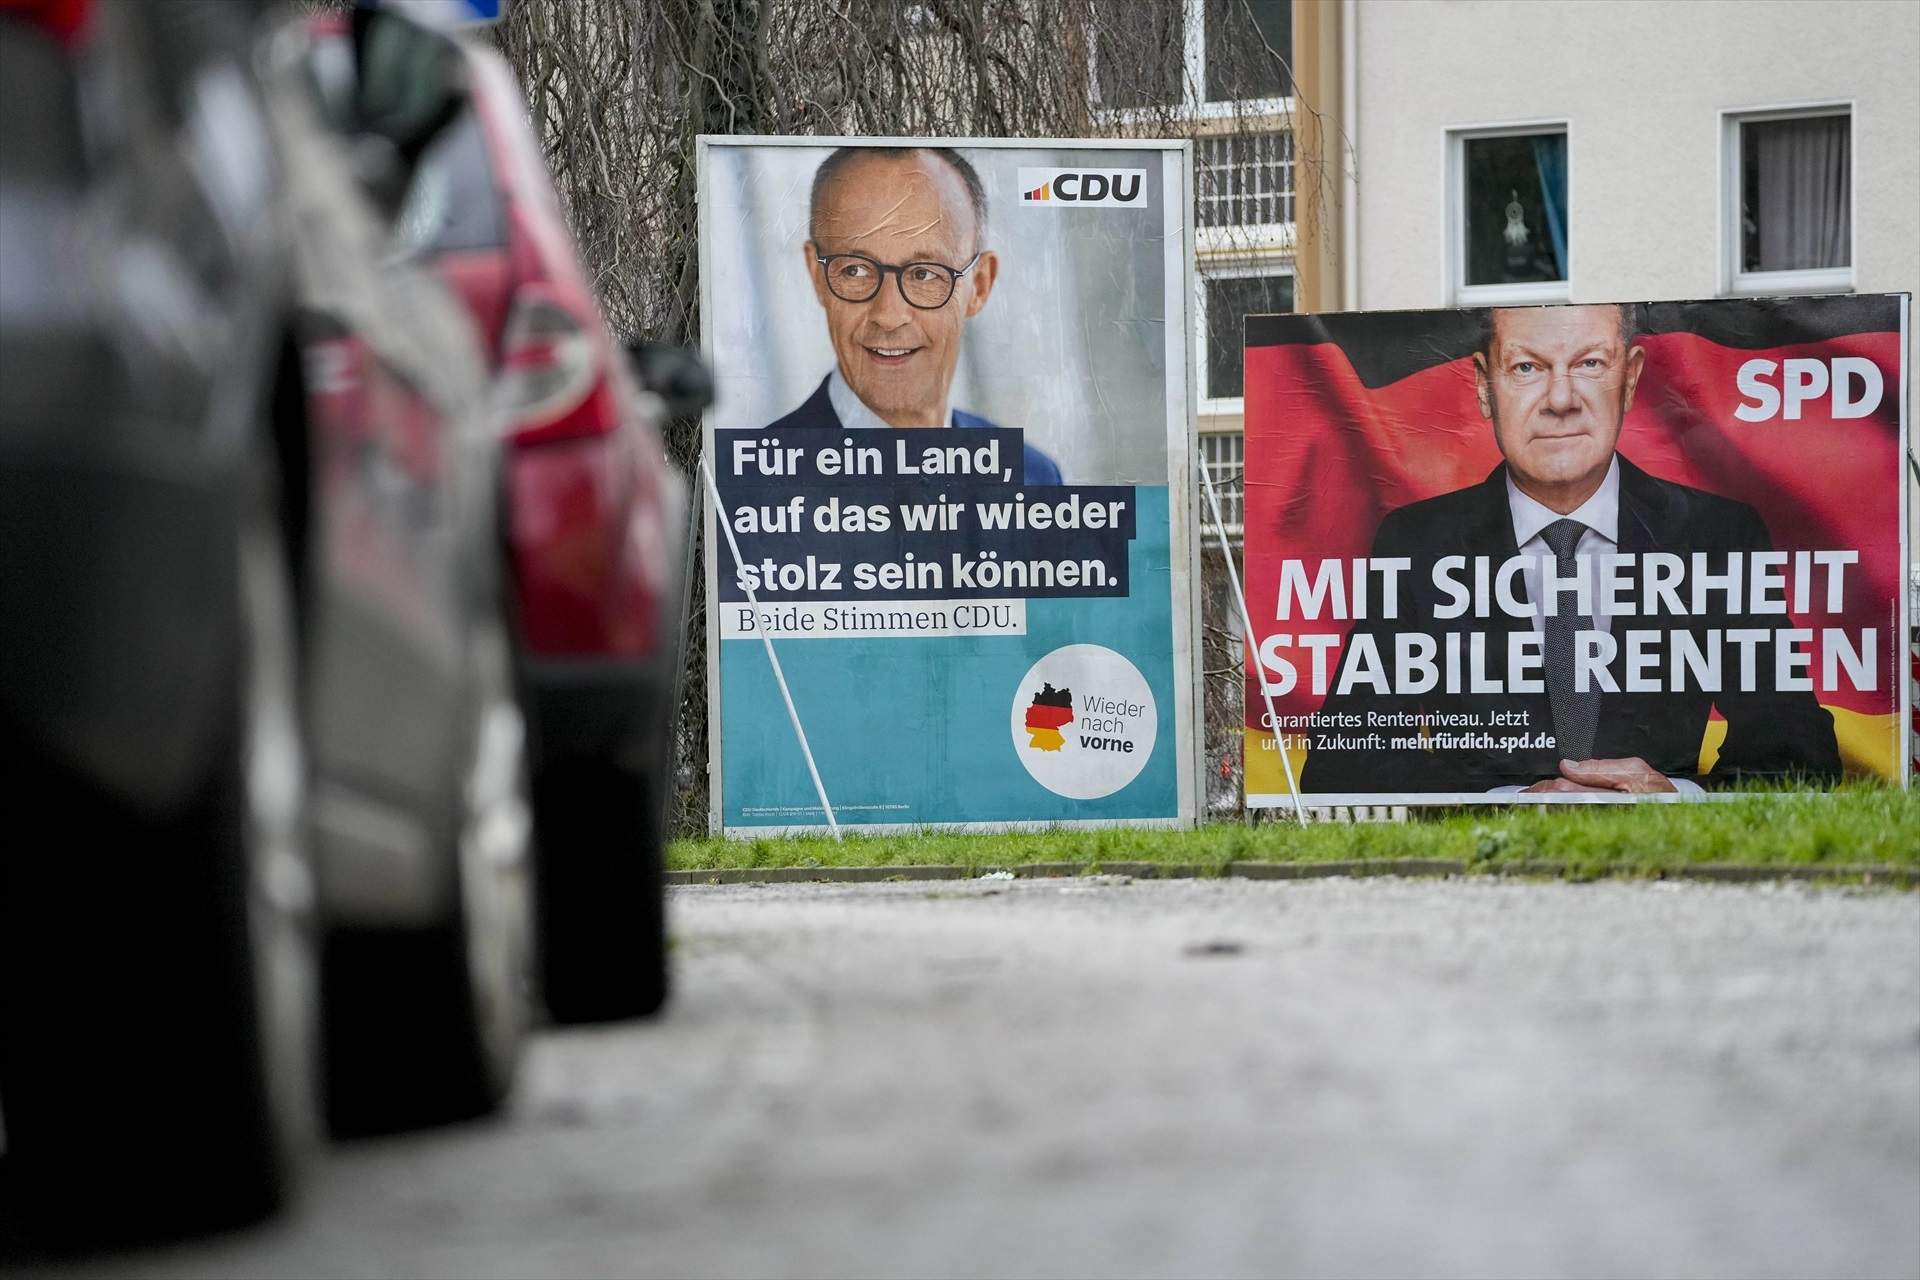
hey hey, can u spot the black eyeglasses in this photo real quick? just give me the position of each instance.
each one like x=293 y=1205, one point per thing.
x=926 y=286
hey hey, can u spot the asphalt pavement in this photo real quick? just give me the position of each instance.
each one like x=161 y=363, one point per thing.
x=1101 y=1077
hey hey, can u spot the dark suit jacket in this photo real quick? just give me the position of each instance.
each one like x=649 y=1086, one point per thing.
x=1769 y=733
x=817 y=412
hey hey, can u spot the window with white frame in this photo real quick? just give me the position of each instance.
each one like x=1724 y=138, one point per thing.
x=1789 y=200
x=1509 y=238
x=1224 y=454
x=1215 y=57
x=1228 y=296
x=1121 y=85
x=1247 y=50
x=1223 y=66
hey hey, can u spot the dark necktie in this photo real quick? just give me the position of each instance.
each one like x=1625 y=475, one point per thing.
x=1575 y=715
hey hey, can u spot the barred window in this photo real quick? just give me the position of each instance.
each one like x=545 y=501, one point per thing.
x=1224 y=453
x=1244 y=179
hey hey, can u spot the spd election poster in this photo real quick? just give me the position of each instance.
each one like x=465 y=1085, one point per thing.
x=1576 y=552
x=952 y=442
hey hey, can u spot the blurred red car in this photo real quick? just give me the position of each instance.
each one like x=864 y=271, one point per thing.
x=595 y=525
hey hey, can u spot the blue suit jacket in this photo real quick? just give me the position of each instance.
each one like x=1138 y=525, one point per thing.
x=817 y=413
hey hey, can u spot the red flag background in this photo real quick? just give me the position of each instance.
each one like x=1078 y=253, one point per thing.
x=1349 y=417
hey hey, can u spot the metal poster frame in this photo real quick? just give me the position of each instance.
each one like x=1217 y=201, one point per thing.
x=1908 y=738
x=1176 y=161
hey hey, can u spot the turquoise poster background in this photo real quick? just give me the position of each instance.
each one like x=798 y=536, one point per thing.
x=916 y=730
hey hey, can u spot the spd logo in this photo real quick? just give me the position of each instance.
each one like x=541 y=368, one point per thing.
x=1084 y=188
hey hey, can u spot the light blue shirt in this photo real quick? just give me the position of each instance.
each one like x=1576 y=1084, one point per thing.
x=852 y=410
x=1600 y=514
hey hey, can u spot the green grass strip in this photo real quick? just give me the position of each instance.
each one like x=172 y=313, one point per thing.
x=1857 y=825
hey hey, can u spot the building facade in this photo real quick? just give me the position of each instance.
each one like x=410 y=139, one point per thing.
x=1225 y=81
x=1446 y=153
x=1666 y=130
x=1627 y=150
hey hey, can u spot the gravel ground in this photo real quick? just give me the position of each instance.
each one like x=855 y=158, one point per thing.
x=1352 y=1077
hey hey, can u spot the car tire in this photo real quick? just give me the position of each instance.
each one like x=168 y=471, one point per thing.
x=426 y=1025
x=159 y=1027
x=602 y=892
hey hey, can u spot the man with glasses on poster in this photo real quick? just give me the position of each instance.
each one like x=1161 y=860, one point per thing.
x=897 y=256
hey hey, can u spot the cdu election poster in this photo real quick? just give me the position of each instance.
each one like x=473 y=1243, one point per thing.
x=952 y=446
x=1576 y=553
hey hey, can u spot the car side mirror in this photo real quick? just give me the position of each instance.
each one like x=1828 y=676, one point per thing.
x=409 y=84
x=678 y=376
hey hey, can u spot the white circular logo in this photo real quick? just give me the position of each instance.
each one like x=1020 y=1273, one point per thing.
x=1084 y=722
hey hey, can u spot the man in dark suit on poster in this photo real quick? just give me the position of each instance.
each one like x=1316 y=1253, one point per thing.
x=1556 y=383
x=896 y=250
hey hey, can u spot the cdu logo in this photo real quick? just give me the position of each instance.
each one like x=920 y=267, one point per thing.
x=1085 y=188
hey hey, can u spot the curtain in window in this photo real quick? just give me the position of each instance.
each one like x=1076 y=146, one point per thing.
x=1803 y=194
x=1550 y=158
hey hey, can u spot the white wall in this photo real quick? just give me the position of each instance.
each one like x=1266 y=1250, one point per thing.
x=1641 y=84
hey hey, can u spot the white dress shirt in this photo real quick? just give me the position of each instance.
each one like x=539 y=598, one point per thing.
x=1601 y=516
